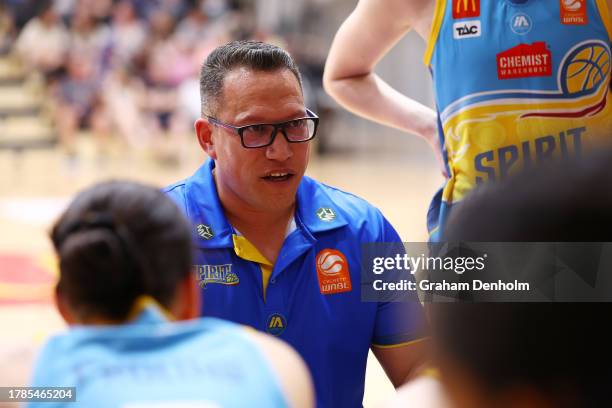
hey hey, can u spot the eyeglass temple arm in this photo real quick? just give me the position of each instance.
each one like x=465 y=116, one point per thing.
x=218 y=123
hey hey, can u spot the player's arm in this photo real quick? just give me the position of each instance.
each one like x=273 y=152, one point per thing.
x=371 y=30
x=405 y=362
x=289 y=369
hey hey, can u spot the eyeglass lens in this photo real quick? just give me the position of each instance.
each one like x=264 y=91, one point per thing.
x=298 y=130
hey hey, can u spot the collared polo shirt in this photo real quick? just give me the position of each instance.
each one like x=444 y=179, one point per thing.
x=312 y=297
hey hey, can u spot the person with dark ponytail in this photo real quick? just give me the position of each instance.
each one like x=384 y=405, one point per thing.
x=125 y=259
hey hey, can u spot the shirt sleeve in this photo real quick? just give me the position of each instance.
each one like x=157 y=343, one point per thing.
x=401 y=320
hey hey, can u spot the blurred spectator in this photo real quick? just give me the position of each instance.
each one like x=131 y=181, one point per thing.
x=167 y=65
x=146 y=8
x=128 y=33
x=43 y=42
x=65 y=9
x=124 y=96
x=24 y=10
x=133 y=64
x=193 y=28
x=100 y=10
x=6 y=28
x=215 y=8
x=90 y=39
x=78 y=104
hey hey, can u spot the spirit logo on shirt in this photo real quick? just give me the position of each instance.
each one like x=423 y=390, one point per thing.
x=525 y=60
x=221 y=274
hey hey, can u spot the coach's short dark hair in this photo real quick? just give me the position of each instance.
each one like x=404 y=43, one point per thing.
x=117 y=241
x=254 y=55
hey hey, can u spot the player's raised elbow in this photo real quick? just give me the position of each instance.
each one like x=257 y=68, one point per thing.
x=341 y=86
x=331 y=83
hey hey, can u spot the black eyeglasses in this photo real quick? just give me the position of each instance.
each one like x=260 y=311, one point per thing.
x=263 y=134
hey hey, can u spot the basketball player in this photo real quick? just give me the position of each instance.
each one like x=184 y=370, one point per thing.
x=534 y=355
x=517 y=82
x=125 y=275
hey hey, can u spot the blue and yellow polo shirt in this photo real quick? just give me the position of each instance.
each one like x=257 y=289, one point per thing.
x=311 y=296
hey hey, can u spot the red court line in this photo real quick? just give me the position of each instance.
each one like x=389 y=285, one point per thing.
x=24 y=279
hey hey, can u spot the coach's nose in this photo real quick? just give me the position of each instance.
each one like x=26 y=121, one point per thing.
x=280 y=149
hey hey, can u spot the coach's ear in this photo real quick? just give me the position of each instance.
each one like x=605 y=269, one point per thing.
x=204 y=133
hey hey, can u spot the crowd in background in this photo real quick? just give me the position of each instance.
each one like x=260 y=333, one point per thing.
x=122 y=67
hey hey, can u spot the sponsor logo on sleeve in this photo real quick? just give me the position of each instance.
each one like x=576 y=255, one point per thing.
x=466 y=29
x=573 y=12
x=466 y=8
x=525 y=60
x=333 y=272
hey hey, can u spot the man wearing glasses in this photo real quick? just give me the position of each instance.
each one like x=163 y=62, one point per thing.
x=279 y=251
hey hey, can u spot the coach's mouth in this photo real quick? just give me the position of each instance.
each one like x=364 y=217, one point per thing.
x=279 y=176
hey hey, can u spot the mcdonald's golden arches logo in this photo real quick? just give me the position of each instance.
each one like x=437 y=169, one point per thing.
x=466 y=8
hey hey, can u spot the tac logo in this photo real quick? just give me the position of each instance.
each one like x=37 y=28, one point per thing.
x=204 y=231
x=221 y=274
x=333 y=272
x=326 y=214
x=276 y=324
x=466 y=29
x=520 y=23
x=466 y=8
x=573 y=12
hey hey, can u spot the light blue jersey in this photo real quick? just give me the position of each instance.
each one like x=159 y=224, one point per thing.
x=150 y=362
x=517 y=83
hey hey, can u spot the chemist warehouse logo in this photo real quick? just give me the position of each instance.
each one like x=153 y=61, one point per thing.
x=221 y=274
x=525 y=60
x=333 y=272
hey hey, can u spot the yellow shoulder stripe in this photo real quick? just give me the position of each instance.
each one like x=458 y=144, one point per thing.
x=436 y=24
x=407 y=343
x=145 y=301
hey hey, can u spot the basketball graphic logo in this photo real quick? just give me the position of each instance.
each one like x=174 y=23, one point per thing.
x=586 y=67
x=571 y=5
x=333 y=272
x=330 y=263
